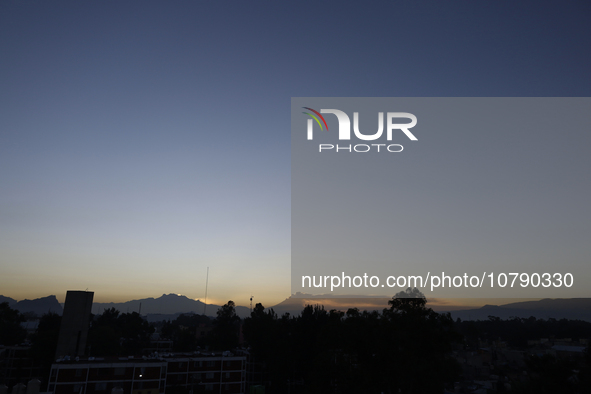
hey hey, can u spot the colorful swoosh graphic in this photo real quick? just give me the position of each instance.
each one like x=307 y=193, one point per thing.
x=315 y=118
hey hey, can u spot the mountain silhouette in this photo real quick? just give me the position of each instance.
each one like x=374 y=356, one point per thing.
x=166 y=304
x=169 y=306
x=38 y=306
x=571 y=308
x=11 y=301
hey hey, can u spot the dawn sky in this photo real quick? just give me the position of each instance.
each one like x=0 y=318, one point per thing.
x=142 y=142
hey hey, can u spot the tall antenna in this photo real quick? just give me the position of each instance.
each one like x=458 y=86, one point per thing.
x=251 y=297
x=206 y=282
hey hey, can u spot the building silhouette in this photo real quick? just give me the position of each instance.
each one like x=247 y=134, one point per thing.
x=75 y=323
x=196 y=372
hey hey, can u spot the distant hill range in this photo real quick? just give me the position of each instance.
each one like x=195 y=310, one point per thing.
x=296 y=303
x=167 y=306
x=170 y=306
x=39 y=306
x=11 y=301
x=571 y=308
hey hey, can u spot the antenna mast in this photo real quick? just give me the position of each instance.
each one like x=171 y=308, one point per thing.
x=206 y=282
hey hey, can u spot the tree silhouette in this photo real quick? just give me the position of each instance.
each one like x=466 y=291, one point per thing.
x=11 y=332
x=224 y=335
x=45 y=342
x=113 y=333
x=183 y=331
x=324 y=351
x=421 y=340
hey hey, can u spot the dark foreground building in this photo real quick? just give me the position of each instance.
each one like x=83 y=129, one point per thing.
x=196 y=373
x=75 y=323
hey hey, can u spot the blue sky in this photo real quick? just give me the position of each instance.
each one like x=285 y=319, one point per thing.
x=141 y=142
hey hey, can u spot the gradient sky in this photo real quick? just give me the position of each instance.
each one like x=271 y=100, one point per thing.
x=141 y=142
